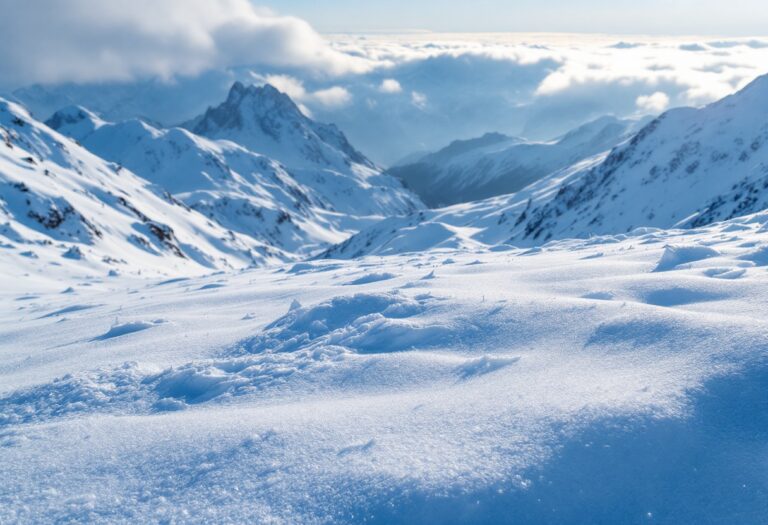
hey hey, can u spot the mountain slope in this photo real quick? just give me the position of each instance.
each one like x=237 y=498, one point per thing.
x=244 y=191
x=64 y=205
x=495 y=164
x=687 y=168
x=266 y=121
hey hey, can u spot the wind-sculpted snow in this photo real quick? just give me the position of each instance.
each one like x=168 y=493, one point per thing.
x=363 y=323
x=570 y=383
x=303 y=343
x=675 y=256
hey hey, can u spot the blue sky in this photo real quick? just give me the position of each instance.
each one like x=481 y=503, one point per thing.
x=673 y=17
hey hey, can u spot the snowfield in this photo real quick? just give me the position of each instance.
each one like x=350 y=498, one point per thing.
x=616 y=379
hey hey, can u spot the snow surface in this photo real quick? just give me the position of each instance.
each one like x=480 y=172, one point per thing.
x=162 y=361
x=611 y=380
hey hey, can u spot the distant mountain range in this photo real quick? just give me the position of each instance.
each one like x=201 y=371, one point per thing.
x=315 y=201
x=254 y=181
x=495 y=164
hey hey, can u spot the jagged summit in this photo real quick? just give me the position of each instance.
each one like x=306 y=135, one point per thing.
x=297 y=211
x=267 y=121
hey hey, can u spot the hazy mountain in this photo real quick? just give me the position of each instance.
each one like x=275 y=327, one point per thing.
x=495 y=164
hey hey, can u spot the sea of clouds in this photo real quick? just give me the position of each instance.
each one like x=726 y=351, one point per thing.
x=392 y=94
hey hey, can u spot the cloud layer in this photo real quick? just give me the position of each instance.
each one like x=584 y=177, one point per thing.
x=51 y=41
x=392 y=94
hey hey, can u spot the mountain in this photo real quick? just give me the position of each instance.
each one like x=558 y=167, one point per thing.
x=298 y=210
x=495 y=164
x=687 y=168
x=64 y=205
x=267 y=121
x=241 y=190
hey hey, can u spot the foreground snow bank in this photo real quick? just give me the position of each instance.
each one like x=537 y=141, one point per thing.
x=612 y=380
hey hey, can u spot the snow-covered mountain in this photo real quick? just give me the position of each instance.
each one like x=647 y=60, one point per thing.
x=687 y=168
x=241 y=190
x=299 y=209
x=267 y=121
x=495 y=164
x=64 y=205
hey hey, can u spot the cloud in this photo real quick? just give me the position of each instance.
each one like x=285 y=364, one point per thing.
x=390 y=85
x=625 y=45
x=51 y=41
x=332 y=97
x=454 y=86
x=692 y=47
x=418 y=99
x=654 y=103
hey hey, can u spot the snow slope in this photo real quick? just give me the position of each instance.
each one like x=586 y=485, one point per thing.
x=319 y=156
x=467 y=226
x=617 y=380
x=689 y=167
x=494 y=164
x=65 y=206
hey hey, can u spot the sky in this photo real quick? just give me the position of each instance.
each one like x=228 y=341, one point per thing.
x=668 y=17
x=393 y=94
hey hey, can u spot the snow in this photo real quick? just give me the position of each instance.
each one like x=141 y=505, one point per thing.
x=685 y=169
x=64 y=206
x=298 y=210
x=550 y=385
x=539 y=357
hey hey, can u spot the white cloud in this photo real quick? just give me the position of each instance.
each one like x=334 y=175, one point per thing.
x=390 y=85
x=289 y=85
x=330 y=98
x=94 y=40
x=418 y=99
x=654 y=103
x=717 y=69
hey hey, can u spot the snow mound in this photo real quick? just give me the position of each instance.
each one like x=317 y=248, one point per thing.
x=364 y=323
x=759 y=257
x=676 y=256
x=372 y=278
x=131 y=389
x=122 y=329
